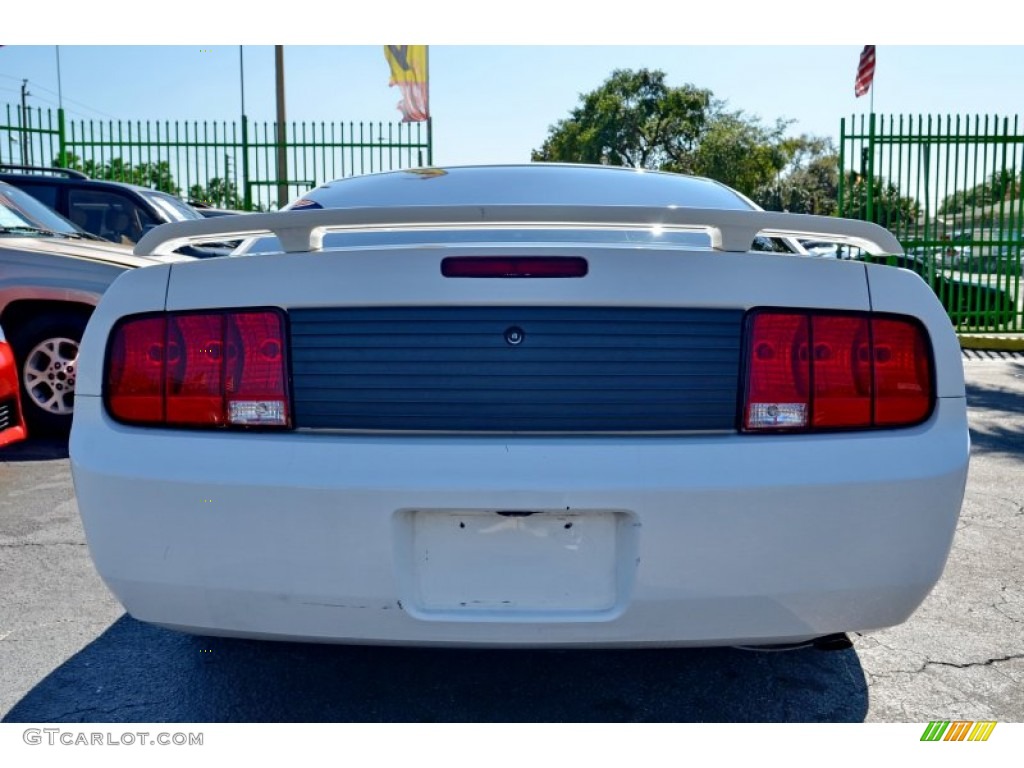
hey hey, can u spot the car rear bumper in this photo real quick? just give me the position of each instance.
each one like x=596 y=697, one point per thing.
x=604 y=541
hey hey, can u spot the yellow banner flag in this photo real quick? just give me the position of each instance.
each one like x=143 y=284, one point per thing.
x=409 y=72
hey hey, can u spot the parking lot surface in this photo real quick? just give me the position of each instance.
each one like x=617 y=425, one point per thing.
x=68 y=652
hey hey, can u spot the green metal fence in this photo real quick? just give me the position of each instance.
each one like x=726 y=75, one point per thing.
x=949 y=188
x=227 y=164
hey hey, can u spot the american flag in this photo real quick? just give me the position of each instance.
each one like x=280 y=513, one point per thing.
x=865 y=71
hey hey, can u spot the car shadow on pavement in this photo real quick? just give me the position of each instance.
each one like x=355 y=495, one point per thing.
x=994 y=428
x=36 y=449
x=135 y=672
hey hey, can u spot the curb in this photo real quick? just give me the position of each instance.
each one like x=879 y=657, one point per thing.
x=995 y=343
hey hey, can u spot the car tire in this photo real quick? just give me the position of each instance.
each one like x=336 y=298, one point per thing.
x=46 y=349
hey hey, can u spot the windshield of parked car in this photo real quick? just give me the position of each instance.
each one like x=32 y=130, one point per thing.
x=172 y=208
x=20 y=209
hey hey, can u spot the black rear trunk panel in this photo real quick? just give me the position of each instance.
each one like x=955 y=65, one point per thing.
x=515 y=369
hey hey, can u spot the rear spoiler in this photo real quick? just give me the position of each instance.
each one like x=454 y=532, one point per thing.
x=730 y=230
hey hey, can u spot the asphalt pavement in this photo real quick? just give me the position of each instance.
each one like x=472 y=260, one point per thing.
x=68 y=652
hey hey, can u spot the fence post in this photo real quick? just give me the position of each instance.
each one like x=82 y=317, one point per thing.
x=926 y=162
x=246 y=189
x=430 y=142
x=62 y=151
x=841 y=208
x=871 y=169
x=22 y=132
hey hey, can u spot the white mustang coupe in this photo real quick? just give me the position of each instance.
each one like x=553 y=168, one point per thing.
x=521 y=406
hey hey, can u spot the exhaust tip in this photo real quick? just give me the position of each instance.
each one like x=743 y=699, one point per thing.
x=837 y=642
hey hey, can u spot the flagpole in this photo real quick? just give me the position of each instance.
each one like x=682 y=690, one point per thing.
x=871 y=106
x=241 y=77
x=871 y=143
x=60 y=92
x=430 y=115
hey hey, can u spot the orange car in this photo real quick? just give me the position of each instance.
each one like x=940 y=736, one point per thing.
x=12 y=426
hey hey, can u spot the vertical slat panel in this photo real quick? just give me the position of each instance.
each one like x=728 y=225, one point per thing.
x=578 y=370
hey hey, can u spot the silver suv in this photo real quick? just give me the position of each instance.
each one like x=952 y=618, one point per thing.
x=52 y=274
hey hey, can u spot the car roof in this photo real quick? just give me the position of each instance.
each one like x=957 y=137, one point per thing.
x=50 y=179
x=532 y=184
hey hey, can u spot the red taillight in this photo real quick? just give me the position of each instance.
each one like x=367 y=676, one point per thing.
x=903 y=382
x=135 y=370
x=829 y=370
x=514 y=266
x=779 y=381
x=841 y=368
x=195 y=370
x=200 y=369
x=255 y=381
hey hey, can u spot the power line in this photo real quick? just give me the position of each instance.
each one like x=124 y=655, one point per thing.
x=68 y=99
x=75 y=101
x=53 y=103
x=68 y=110
x=48 y=90
x=44 y=99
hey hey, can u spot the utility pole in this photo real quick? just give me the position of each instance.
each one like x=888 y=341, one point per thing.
x=26 y=158
x=282 y=152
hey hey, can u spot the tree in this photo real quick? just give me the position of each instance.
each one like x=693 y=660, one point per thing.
x=153 y=175
x=888 y=207
x=635 y=119
x=742 y=153
x=809 y=182
x=218 y=192
x=1000 y=186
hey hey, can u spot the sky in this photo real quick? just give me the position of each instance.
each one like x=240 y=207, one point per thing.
x=495 y=102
